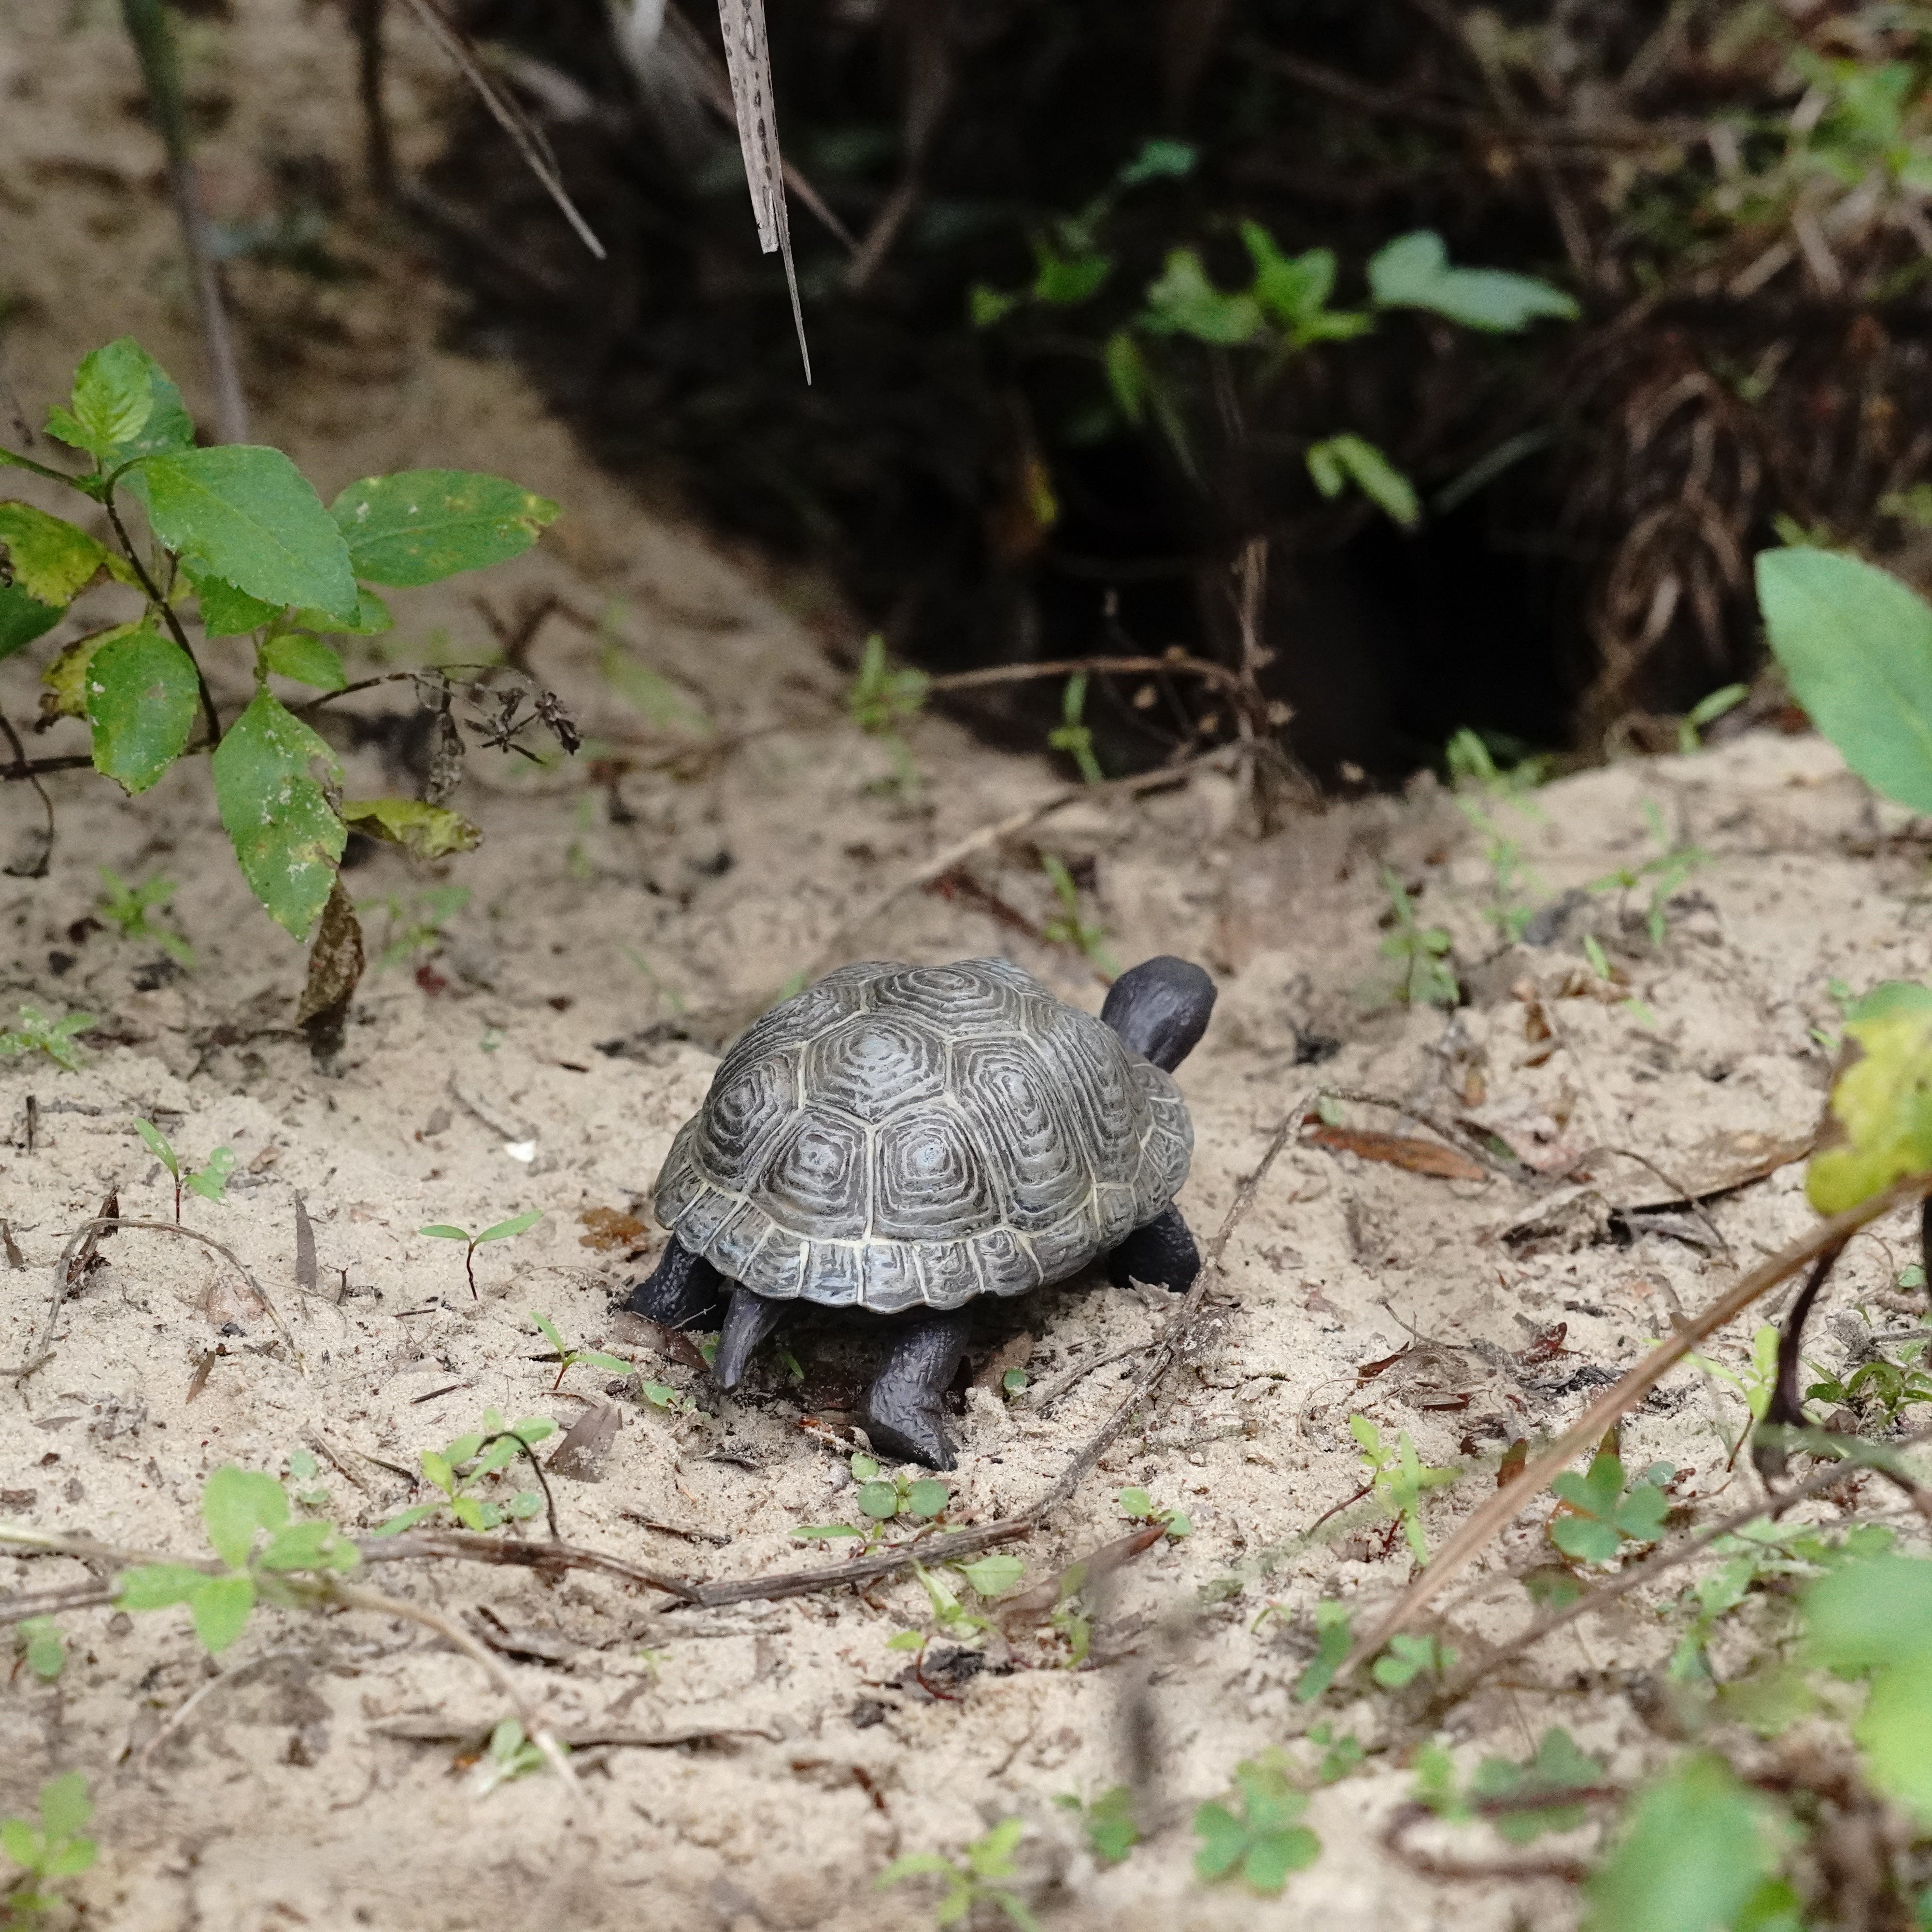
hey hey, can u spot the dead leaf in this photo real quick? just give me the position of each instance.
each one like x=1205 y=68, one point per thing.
x=586 y=1445
x=335 y=962
x=1514 y=1458
x=1368 y=1371
x=1545 y=1345
x=1416 y=1157
x=610 y=1228
x=305 y=1269
x=1722 y=1161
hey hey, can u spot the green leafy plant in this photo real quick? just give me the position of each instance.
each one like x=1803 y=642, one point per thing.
x=1398 y=1479
x=1137 y=1506
x=1072 y=735
x=238 y=531
x=414 y=931
x=1882 y=1386
x=459 y=1469
x=1262 y=1841
x=262 y=1556
x=51 y=1849
x=1482 y=790
x=1660 y=875
x=37 y=1032
x=1107 y=1822
x=132 y=910
x=304 y=1468
x=1067 y=927
x=1334 y=1638
x=508 y=1756
x=567 y=1358
x=41 y=1648
x=502 y=1231
x=982 y=1874
x=1337 y=461
x=1881 y=1130
x=1423 y=976
x=1706 y=712
x=1522 y=1801
x=1408 y=1657
x=881 y=1500
x=210 y=1180
x=1601 y=1514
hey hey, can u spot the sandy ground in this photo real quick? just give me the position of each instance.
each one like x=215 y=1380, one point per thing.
x=539 y=1050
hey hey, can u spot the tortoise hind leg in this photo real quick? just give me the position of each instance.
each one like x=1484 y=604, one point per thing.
x=1163 y=1251
x=683 y=1290
x=749 y=1319
x=902 y=1413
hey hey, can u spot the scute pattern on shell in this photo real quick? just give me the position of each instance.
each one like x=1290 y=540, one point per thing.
x=901 y=1136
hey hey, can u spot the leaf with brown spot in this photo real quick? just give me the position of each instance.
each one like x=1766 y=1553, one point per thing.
x=1416 y=1156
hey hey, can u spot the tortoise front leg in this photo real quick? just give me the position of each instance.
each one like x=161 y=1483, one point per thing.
x=683 y=1290
x=749 y=1319
x=902 y=1413
x=1163 y=1251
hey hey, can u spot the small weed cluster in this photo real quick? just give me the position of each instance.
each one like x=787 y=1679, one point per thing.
x=459 y=1469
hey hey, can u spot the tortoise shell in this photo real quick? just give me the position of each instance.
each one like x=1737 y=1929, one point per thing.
x=905 y=1136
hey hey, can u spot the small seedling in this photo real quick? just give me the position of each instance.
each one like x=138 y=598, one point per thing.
x=1522 y=1801
x=1067 y=927
x=1481 y=789
x=568 y=1357
x=1881 y=1386
x=1107 y=1822
x=1398 y=1480
x=881 y=1499
x=1015 y=1382
x=1340 y=1756
x=414 y=932
x=1072 y=735
x=884 y=698
x=1662 y=875
x=508 y=1756
x=53 y=1849
x=130 y=909
x=41 y=1648
x=1408 y=1657
x=1263 y=1840
x=1137 y=1506
x=1690 y=728
x=240 y=1507
x=469 y=1460
x=517 y=1224
x=210 y=1180
x=304 y=1468
x=35 y=1032
x=1756 y=1381
x=1424 y=975
x=1600 y=1514
x=951 y=1617
x=978 y=1876
x=1334 y=1640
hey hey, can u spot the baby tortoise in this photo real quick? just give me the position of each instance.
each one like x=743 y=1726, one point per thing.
x=901 y=1138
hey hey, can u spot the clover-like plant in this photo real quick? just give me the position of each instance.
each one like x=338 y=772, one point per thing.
x=1264 y=1839
x=53 y=1849
x=262 y=1555
x=981 y=1874
x=881 y=1499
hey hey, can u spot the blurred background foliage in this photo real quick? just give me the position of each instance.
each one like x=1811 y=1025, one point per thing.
x=1074 y=361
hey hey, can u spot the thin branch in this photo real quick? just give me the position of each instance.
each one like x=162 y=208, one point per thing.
x=1502 y=1509
x=26 y=771
x=467 y=1546
x=154 y=44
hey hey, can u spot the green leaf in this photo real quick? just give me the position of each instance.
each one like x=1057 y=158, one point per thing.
x=994 y=1575
x=548 y=1330
x=927 y=1497
x=1413 y=272
x=879 y=1501
x=286 y=834
x=443 y=1231
x=1871 y=1613
x=1557 y=1769
x=1158 y=160
x=420 y=525
x=809 y=1532
x=1879 y=1127
x=1273 y=1857
x=22 y=619
x=220 y=1608
x=407 y=1519
x=310 y=1546
x=517 y=1224
x=306 y=659
x=156 y=1144
x=155 y=1586
x=142 y=697
x=1184 y=302
x=1110 y=1829
x=1294 y=290
x=21 y=1843
x=372 y=617
x=250 y=516
x=1697 y=1844
x=235 y=1504
x=615 y=1364
x=987 y=306
x=426 y=831
x=1333 y=1642
x=864 y=1468
x=123 y=406
x=50 y=559
x=65 y=1806
x=1584 y=1538
x=1894 y=1731
x=1127 y=374
x=1856 y=645
x=227 y=612
x=1066 y=281
x=210 y=1180
x=66 y=678
x=1339 y=461
x=1135 y=1503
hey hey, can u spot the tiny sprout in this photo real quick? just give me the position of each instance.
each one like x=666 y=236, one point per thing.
x=53 y=1849
x=1137 y=1506
x=36 y=1032
x=1072 y=735
x=129 y=906
x=41 y=1649
x=978 y=1876
x=568 y=1357
x=210 y=1180
x=1265 y=1840
x=1066 y=928
x=1014 y=1380
x=509 y=1755
x=517 y=1224
x=1108 y=1823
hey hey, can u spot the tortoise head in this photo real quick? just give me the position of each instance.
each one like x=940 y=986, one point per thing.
x=1160 y=1008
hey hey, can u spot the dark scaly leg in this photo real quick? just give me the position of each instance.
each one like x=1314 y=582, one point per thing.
x=1163 y=1252
x=749 y=1319
x=902 y=1415
x=683 y=1290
